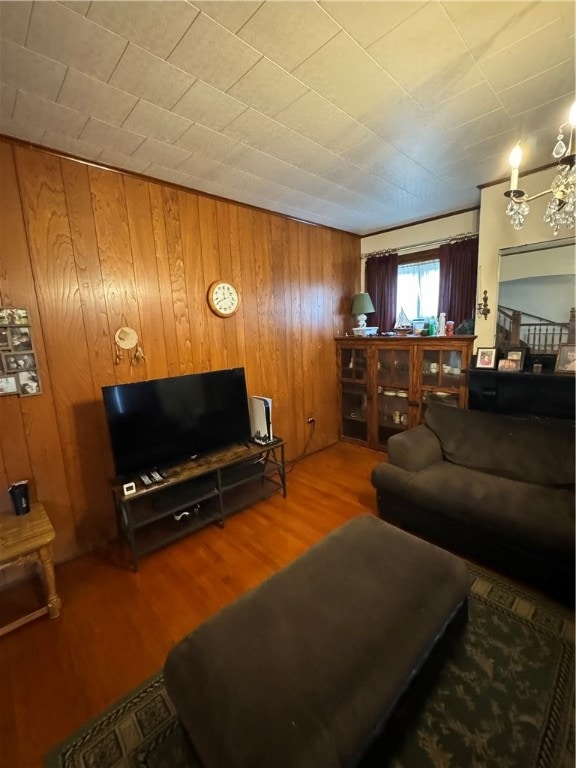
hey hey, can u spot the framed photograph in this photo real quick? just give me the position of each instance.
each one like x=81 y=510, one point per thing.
x=22 y=361
x=14 y=316
x=4 y=340
x=517 y=354
x=8 y=385
x=510 y=365
x=566 y=359
x=20 y=338
x=29 y=383
x=486 y=357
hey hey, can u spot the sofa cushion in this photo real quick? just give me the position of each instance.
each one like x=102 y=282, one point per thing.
x=524 y=449
x=534 y=517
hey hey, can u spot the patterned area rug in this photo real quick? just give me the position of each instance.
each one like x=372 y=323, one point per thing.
x=504 y=699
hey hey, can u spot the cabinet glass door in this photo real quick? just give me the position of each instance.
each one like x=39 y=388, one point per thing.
x=441 y=377
x=393 y=381
x=354 y=393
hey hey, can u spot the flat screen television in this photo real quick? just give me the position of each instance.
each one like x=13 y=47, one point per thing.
x=163 y=422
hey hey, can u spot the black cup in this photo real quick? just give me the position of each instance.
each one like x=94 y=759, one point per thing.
x=20 y=498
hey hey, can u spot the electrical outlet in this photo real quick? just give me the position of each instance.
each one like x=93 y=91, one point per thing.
x=310 y=420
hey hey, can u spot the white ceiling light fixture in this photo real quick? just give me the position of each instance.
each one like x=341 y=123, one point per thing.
x=561 y=208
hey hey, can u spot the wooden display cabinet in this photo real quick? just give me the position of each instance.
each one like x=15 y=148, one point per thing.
x=385 y=383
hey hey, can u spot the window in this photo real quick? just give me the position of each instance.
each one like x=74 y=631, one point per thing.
x=418 y=288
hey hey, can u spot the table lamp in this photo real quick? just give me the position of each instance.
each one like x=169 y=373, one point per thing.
x=362 y=306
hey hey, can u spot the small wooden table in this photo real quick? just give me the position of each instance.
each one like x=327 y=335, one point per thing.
x=28 y=538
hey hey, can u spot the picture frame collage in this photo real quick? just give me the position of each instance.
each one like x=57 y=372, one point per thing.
x=19 y=373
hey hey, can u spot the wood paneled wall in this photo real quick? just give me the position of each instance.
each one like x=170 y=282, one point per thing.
x=88 y=250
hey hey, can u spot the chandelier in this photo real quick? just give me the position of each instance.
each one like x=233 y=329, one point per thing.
x=560 y=209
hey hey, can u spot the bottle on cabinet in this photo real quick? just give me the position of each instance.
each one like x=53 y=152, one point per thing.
x=442 y=324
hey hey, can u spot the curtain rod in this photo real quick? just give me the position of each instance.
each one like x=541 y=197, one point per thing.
x=454 y=238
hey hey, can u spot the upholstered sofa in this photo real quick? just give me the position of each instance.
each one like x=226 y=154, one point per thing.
x=497 y=489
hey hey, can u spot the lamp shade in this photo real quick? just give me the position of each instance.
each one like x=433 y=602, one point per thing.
x=362 y=304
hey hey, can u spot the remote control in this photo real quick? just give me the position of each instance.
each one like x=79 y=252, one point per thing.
x=145 y=479
x=156 y=476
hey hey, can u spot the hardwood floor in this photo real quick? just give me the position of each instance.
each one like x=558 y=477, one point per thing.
x=117 y=626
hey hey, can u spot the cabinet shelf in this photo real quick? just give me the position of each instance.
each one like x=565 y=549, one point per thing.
x=200 y=492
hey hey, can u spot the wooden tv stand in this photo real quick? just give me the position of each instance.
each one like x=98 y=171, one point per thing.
x=196 y=493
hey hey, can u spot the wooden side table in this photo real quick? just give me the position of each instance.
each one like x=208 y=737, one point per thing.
x=28 y=538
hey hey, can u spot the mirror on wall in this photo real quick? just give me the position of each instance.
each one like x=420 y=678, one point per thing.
x=536 y=296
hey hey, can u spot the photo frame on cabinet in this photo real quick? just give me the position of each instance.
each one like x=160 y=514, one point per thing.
x=517 y=354
x=566 y=359
x=4 y=340
x=509 y=365
x=486 y=357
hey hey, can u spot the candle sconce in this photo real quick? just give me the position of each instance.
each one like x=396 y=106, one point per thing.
x=483 y=308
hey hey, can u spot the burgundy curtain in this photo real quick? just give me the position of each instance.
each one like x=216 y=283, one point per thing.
x=458 y=267
x=381 y=278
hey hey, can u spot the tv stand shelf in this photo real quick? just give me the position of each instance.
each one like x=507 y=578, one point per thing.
x=199 y=492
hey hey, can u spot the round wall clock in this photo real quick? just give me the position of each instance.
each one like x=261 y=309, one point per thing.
x=223 y=298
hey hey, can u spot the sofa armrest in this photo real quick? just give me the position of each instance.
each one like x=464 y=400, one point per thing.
x=414 y=449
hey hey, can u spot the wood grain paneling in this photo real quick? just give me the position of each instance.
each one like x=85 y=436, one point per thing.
x=87 y=250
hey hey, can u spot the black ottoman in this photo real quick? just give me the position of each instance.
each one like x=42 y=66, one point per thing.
x=305 y=669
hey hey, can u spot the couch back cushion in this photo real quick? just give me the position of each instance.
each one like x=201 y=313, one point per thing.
x=526 y=449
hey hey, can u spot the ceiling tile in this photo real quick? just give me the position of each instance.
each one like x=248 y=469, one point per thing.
x=30 y=71
x=539 y=51
x=267 y=88
x=71 y=146
x=230 y=13
x=7 y=100
x=67 y=37
x=208 y=106
x=202 y=141
x=443 y=66
x=153 y=121
x=167 y=174
x=78 y=6
x=481 y=128
x=288 y=32
x=486 y=33
x=25 y=132
x=35 y=111
x=122 y=161
x=365 y=20
x=158 y=152
x=93 y=97
x=156 y=26
x=317 y=119
x=110 y=136
x=546 y=116
x=345 y=75
x=14 y=19
x=371 y=152
x=163 y=84
x=496 y=146
x=550 y=84
x=465 y=106
x=271 y=137
x=213 y=54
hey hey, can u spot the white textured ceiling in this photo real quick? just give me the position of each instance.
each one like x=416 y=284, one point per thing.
x=356 y=115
